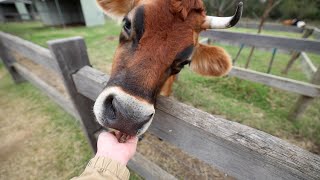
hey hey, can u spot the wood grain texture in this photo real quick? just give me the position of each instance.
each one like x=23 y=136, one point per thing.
x=33 y=52
x=290 y=85
x=51 y=92
x=71 y=55
x=8 y=60
x=241 y=151
x=265 y=41
x=147 y=169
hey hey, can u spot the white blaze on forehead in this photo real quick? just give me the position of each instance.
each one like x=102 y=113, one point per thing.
x=136 y=107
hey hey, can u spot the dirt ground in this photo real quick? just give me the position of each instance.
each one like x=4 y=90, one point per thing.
x=171 y=159
x=32 y=146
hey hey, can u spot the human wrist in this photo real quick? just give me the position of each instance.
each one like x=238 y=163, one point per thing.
x=120 y=159
x=107 y=166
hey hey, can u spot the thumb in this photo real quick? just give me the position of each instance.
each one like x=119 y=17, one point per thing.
x=132 y=140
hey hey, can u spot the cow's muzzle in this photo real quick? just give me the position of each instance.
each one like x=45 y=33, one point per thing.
x=116 y=109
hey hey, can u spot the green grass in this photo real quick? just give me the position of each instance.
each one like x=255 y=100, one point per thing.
x=101 y=45
x=61 y=134
x=249 y=103
x=99 y=48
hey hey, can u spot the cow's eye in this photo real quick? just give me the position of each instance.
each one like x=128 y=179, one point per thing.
x=127 y=26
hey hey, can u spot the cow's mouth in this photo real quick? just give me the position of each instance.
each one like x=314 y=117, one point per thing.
x=121 y=136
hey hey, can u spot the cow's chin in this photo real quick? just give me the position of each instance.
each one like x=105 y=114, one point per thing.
x=137 y=133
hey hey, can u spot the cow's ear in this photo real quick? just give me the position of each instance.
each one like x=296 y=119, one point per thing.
x=116 y=8
x=210 y=61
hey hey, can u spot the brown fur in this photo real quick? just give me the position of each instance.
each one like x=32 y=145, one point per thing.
x=170 y=27
x=183 y=7
x=211 y=61
x=287 y=22
x=117 y=8
x=167 y=87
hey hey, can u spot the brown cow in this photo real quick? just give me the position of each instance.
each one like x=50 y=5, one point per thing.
x=158 y=38
x=294 y=22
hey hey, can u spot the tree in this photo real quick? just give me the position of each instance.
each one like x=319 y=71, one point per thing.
x=270 y=5
x=219 y=7
x=306 y=9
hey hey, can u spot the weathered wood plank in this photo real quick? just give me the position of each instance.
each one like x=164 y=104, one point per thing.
x=277 y=82
x=269 y=26
x=147 y=169
x=8 y=60
x=50 y=91
x=71 y=55
x=265 y=41
x=241 y=151
x=33 y=52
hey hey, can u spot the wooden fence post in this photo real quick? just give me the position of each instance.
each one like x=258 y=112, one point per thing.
x=295 y=55
x=304 y=101
x=71 y=55
x=8 y=61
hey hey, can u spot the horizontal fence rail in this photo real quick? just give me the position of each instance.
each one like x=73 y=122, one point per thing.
x=286 y=84
x=270 y=27
x=242 y=151
x=33 y=52
x=265 y=41
x=49 y=90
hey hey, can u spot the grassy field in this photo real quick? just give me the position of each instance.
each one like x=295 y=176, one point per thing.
x=249 y=103
x=39 y=140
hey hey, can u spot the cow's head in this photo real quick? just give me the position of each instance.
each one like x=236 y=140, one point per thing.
x=158 y=38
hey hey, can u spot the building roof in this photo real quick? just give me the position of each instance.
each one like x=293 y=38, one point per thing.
x=14 y=1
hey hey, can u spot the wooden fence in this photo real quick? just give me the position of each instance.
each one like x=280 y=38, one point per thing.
x=278 y=27
x=308 y=91
x=241 y=151
x=269 y=26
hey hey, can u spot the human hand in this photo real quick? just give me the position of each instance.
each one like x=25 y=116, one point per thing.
x=109 y=146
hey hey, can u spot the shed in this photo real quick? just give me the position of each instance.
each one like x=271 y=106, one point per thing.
x=16 y=10
x=62 y=12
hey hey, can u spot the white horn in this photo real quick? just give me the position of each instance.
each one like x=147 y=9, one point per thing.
x=213 y=22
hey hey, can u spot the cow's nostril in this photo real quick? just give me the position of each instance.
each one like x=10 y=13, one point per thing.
x=110 y=111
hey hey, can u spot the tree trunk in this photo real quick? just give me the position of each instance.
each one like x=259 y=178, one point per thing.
x=270 y=6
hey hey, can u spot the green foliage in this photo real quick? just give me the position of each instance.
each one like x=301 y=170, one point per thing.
x=306 y=9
